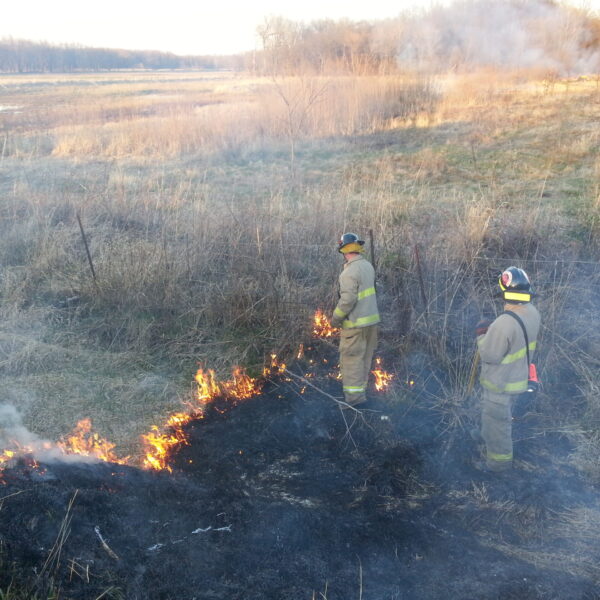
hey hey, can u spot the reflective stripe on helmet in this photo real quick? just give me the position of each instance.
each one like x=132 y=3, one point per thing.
x=352 y=247
x=520 y=296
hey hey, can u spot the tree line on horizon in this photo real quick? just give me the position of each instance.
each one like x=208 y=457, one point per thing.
x=538 y=34
x=24 y=56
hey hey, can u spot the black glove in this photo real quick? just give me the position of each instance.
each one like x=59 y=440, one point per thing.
x=482 y=327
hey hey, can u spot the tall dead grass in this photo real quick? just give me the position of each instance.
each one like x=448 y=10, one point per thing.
x=205 y=249
x=174 y=117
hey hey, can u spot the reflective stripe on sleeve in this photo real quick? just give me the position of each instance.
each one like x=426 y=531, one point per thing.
x=339 y=313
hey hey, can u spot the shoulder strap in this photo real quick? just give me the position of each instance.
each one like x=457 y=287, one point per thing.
x=520 y=321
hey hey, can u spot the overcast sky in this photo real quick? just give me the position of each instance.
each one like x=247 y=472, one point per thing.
x=182 y=26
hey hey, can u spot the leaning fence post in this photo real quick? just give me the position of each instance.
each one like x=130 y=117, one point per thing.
x=421 y=284
x=87 y=251
x=371 y=238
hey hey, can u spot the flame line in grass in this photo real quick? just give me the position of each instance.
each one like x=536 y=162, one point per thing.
x=160 y=442
x=81 y=442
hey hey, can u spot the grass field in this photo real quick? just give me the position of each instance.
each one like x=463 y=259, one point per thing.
x=212 y=204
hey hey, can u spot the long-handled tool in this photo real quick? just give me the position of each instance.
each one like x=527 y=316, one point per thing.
x=472 y=374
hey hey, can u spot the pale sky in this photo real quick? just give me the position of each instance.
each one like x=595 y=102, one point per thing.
x=182 y=26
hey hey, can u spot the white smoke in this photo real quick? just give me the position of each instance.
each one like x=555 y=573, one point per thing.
x=502 y=33
x=12 y=430
x=16 y=437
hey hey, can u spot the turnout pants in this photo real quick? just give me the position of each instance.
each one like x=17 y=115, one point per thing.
x=496 y=429
x=357 y=346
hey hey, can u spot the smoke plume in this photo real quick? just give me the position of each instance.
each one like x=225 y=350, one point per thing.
x=536 y=34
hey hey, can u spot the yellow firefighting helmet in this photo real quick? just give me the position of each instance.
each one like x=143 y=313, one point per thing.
x=350 y=242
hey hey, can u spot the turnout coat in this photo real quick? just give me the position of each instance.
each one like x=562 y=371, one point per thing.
x=504 y=368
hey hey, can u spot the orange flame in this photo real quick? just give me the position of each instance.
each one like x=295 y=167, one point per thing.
x=86 y=443
x=208 y=388
x=82 y=441
x=160 y=444
x=20 y=452
x=322 y=327
x=275 y=367
x=5 y=458
x=242 y=386
x=382 y=379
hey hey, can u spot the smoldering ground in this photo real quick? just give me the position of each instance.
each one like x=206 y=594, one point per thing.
x=284 y=496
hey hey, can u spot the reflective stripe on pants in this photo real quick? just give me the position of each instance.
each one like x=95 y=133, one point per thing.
x=496 y=429
x=356 y=353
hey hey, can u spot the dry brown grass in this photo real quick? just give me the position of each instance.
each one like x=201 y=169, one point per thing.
x=208 y=247
x=168 y=115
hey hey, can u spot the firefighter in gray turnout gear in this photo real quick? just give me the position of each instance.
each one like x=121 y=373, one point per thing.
x=504 y=365
x=357 y=314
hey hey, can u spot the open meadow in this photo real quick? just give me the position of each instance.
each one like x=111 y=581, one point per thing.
x=211 y=204
x=152 y=222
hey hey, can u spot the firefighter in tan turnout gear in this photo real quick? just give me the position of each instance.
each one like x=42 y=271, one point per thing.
x=356 y=313
x=505 y=365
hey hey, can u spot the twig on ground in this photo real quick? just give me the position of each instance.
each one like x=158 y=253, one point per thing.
x=74 y=569
x=211 y=528
x=104 y=544
x=107 y=591
x=343 y=406
x=360 y=579
x=159 y=546
x=10 y=496
x=340 y=403
x=53 y=559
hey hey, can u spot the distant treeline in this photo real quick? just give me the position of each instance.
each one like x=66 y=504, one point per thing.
x=468 y=34
x=513 y=34
x=21 y=56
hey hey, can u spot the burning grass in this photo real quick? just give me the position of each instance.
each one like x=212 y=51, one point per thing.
x=159 y=443
x=162 y=441
x=271 y=494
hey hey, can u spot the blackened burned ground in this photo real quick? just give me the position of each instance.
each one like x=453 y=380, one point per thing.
x=283 y=497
